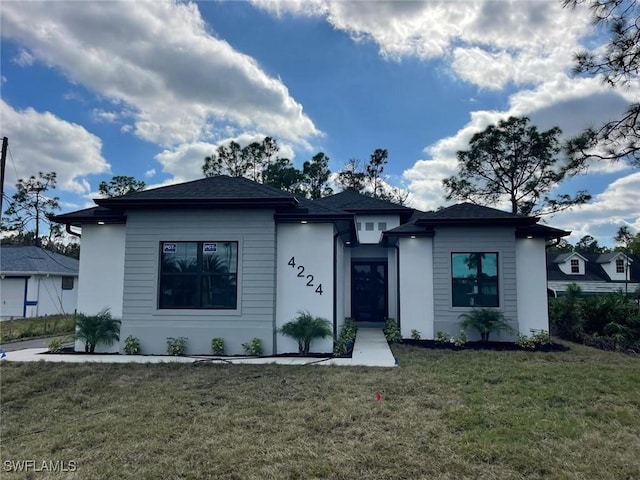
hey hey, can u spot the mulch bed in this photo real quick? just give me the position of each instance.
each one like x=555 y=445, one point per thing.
x=478 y=345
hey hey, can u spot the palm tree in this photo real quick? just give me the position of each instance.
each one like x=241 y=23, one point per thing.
x=305 y=328
x=486 y=321
x=95 y=329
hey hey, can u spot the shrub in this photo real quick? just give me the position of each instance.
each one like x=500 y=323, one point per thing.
x=442 y=337
x=392 y=332
x=525 y=342
x=460 y=339
x=415 y=334
x=347 y=337
x=486 y=321
x=131 y=345
x=217 y=345
x=253 y=347
x=176 y=346
x=305 y=328
x=95 y=329
x=55 y=345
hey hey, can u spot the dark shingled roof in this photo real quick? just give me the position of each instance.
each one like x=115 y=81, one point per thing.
x=469 y=213
x=352 y=201
x=91 y=215
x=211 y=191
x=593 y=268
x=19 y=259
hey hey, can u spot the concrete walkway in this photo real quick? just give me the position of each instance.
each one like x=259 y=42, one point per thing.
x=370 y=350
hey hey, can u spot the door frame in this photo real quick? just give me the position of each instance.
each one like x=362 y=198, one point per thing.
x=373 y=262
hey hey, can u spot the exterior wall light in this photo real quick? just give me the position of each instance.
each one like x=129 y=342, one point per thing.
x=303 y=221
x=100 y=223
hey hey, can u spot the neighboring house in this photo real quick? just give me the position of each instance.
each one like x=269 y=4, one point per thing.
x=35 y=282
x=228 y=257
x=593 y=273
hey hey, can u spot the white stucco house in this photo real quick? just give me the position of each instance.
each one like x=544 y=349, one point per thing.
x=228 y=257
x=36 y=282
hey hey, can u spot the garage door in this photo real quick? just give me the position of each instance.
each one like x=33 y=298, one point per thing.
x=12 y=296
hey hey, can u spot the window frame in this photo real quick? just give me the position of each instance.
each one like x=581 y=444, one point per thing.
x=575 y=267
x=199 y=275
x=620 y=265
x=479 y=282
x=64 y=282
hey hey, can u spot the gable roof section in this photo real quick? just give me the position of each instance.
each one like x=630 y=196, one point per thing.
x=220 y=191
x=351 y=201
x=611 y=256
x=35 y=260
x=563 y=257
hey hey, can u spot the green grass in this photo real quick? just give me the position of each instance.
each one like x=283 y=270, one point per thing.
x=443 y=415
x=20 y=328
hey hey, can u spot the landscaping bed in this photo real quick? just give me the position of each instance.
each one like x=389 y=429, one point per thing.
x=490 y=345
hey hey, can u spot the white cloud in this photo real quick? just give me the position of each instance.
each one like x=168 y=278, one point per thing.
x=490 y=43
x=617 y=205
x=24 y=59
x=40 y=141
x=158 y=60
x=100 y=115
x=150 y=173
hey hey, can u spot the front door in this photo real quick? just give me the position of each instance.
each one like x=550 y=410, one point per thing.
x=369 y=290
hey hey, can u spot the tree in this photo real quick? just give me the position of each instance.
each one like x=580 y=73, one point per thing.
x=561 y=247
x=120 y=185
x=374 y=171
x=283 y=175
x=351 y=176
x=624 y=237
x=249 y=161
x=617 y=64
x=30 y=206
x=95 y=329
x=304 y=329
x=315 y=176
x=588 y=244
x=515 y=161
x=228 y=160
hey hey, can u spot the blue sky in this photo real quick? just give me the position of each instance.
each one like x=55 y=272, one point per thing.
x=96 y=89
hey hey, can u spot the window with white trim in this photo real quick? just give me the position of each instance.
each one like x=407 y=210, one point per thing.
x=575 y=265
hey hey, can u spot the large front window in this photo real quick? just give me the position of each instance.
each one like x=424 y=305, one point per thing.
x=474 y=280
x=198 y=275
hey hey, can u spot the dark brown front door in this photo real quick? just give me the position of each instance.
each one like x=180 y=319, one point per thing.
x=369 y=290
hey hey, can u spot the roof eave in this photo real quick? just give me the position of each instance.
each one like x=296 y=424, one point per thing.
x=122 y=203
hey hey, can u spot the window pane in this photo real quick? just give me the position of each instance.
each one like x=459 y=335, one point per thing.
x=67 y=283
x=368 y=226
x=220 y=257
x=474 y=279
x=179 y=257
x=219 y=291
x=178 y=291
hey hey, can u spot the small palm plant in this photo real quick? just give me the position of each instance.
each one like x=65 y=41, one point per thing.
x=486 y=321
x=95 y=329
x=305 y=328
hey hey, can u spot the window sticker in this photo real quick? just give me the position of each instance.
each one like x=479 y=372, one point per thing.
x=169 y=247
x=209 y=247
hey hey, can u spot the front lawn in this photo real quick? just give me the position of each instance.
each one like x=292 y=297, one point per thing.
x=441 y=415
